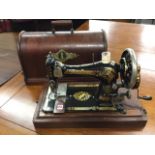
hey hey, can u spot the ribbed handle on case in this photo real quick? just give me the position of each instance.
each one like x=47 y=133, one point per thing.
x=62 y=25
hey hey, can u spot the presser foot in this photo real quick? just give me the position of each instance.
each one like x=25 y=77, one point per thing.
x=55 y=102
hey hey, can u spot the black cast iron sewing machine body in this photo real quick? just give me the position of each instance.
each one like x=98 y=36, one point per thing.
x=114 y=87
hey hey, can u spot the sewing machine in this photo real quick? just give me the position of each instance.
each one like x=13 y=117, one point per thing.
x=105 y=95
x=112 y=99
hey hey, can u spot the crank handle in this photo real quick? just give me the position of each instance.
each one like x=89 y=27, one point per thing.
x=148 y=98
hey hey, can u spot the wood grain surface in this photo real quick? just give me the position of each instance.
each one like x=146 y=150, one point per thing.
x=18 y=101
x=9 y=63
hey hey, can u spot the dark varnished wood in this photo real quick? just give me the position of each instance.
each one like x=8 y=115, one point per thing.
x=33 y=48
x=20 y=107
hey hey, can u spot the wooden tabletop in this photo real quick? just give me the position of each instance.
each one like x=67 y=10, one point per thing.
x=18 y=101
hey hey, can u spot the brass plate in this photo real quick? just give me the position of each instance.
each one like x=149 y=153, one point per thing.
x=63 y=55
x=82 y=96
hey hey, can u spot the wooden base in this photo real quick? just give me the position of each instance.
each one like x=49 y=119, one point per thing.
x=135 y=117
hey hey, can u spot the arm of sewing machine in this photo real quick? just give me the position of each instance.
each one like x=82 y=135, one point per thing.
x=106 y=71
